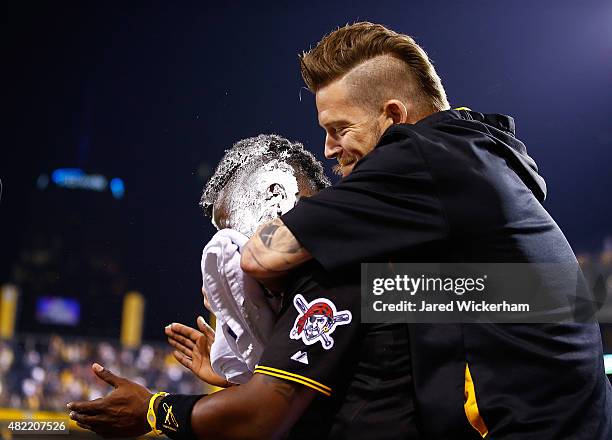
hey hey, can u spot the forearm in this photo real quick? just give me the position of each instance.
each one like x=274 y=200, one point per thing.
x=223 y=415
x=271 y=253
x=264 y=408
x=274 y=281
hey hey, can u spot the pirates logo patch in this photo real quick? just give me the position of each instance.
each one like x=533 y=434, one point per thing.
x=317 y=320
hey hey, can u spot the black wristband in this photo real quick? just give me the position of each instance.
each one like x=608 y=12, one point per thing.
x=174 y=415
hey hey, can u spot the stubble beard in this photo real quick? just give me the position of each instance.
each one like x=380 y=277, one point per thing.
x=345 y=161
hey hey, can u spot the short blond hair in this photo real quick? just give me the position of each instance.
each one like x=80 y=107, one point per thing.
x=347 y=47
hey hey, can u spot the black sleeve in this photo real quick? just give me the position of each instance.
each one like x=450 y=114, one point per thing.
x=388 y=204
x=314 y=335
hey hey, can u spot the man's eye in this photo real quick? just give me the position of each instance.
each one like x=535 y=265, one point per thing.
x=340 y=131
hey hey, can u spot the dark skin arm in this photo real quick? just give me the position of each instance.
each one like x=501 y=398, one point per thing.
x=271 y=254
x=265 y=407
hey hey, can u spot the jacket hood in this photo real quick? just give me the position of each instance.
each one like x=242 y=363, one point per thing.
x=500 y=128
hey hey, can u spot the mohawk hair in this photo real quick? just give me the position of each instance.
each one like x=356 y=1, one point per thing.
x=261 y=148
x=349 y=46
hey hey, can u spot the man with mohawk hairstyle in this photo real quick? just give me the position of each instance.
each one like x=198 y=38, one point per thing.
x=426 y=183
x=321 y=374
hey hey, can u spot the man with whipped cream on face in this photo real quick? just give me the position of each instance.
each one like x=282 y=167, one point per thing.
x=300 y=349
x=320 y=368
x=260 y=192
x=256 y=181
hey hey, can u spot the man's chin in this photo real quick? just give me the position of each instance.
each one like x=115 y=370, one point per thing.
x=343 y=170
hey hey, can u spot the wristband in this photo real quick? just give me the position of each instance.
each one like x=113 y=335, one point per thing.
x=151 y=418
x=173 y=415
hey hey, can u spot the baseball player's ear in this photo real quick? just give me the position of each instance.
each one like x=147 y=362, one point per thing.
x=396 y=110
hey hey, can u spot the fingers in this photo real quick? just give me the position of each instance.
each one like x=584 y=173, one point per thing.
x=83 y=419
x=106 y=375
x=182 y=333
x=91 y=407
x=185 y=361
x=187 y=343
x=181 y=348
x=89 y=422
x=185 y=330
x=204 y=327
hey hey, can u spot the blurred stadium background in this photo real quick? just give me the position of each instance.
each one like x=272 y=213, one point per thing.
x=67 y=305
x=117 y=115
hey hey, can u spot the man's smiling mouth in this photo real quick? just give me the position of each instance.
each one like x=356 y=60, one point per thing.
x=343 y=162
x=346 y=161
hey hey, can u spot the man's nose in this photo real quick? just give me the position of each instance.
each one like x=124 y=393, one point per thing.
x=332 y=147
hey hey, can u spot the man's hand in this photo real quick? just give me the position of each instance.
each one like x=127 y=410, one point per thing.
x=193 y=350
x=122 y=413
x=271 y=253
x=264 y=407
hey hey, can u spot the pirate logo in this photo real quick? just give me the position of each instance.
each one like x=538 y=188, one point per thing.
x=317 y=321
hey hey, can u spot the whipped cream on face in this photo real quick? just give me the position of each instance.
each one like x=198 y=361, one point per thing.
x=261 y=194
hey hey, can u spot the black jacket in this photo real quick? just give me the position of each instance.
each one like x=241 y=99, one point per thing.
x=458 y=186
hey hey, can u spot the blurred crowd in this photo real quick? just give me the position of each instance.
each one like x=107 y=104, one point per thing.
x=45 y=373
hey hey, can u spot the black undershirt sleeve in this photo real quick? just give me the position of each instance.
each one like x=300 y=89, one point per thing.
x=315 y=334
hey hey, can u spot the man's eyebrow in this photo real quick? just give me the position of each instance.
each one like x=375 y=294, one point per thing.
x=333 y=123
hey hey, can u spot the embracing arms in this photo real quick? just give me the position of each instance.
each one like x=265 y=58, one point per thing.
x=272 y=253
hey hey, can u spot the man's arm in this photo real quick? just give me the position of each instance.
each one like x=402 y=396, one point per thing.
x=265 y=407
x=271 y=253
